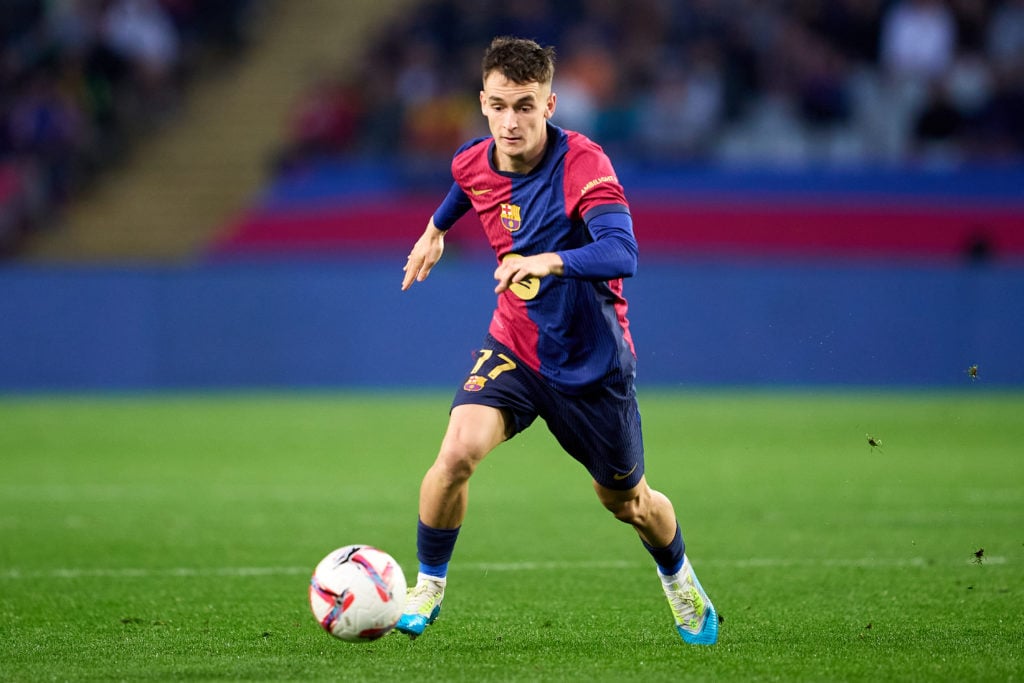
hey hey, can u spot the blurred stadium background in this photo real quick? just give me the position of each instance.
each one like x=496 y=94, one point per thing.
x=221 y=193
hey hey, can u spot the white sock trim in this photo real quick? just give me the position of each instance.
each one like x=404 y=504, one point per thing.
x=422 y=578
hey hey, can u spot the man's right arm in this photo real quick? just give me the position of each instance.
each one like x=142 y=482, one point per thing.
x=424 y=255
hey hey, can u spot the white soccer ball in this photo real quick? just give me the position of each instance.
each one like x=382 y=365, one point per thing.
x=357 y=593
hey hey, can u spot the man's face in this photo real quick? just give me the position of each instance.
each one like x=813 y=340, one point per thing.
x=517 y=114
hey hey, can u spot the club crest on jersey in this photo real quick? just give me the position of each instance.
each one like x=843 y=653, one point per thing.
x=474 y=383
x=510 y=217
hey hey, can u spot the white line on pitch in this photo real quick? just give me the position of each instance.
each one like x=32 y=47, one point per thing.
x=525 y=566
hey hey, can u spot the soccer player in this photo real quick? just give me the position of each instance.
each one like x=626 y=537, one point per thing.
x=559 y=345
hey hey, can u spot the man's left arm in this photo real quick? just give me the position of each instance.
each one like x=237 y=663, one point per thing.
x=612 y=254
x=593 y=189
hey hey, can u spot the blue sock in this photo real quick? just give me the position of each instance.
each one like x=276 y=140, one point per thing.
x=434 y=548
x=669 y=558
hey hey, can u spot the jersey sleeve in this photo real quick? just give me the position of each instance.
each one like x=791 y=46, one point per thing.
x=612 y=254
x=457 y=202
x=590 y=180
x=454 y=207
x=594 y=196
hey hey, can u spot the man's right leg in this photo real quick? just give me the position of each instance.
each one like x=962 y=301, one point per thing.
x=473 y=432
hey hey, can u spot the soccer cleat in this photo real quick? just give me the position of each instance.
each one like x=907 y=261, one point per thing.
x=422 y=605
x=696 y=619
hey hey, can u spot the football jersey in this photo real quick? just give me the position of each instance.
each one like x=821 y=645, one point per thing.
x=572 y=330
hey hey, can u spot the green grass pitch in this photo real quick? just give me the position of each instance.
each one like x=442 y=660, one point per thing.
x=163 y=537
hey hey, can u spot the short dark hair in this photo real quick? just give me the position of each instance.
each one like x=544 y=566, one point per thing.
x=520 y=60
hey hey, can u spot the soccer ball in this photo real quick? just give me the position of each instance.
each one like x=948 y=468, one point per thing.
x=357 y=593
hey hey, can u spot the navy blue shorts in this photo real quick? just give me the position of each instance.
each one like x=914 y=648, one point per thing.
x=600 y=429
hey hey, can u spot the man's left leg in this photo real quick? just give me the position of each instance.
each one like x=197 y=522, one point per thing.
x=651 y=513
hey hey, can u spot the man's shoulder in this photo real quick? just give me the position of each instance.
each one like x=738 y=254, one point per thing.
x=586 y=163
x=583 y=158
x=579 y=144
x=589 y=179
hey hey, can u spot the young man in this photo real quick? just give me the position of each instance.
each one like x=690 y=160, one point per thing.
x=559 y=345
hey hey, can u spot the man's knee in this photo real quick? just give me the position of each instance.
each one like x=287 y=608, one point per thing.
x=472 y=433
x=457 y=461
x=630 y=507
x=623 y=510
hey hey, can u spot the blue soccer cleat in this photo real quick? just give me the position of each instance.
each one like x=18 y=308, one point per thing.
x=422 y=605
x=696 y=618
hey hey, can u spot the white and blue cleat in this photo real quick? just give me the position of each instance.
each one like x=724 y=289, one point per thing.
x=695 y=616
x=422 y=605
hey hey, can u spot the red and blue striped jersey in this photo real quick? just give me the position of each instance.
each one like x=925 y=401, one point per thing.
x=573 y=329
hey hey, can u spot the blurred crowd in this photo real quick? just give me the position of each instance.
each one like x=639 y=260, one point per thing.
x=81 y=80
x=792 y=82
